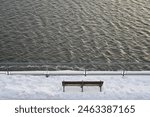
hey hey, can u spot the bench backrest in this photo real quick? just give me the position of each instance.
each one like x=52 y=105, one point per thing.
x=82 y=83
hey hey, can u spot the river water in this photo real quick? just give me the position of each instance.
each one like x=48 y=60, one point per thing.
x=76 y=31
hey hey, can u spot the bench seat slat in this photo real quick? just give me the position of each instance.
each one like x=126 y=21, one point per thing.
x=82 y=82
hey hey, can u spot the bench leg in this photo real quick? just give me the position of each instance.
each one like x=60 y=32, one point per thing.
x=63 y=88
x=100 y=89
x=47 y=75
x=81 y=88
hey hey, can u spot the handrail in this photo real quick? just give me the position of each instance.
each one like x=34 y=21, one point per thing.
x=65 y=73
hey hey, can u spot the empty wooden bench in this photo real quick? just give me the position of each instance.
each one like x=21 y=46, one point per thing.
x=82 y=84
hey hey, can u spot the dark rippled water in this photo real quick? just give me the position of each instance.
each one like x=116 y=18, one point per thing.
x=69 y=31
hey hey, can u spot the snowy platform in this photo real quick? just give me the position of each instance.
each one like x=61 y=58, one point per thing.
x=132 y=86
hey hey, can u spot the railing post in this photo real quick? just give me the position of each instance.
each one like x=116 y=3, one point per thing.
x=123 y=72
x=85 y=72
x=47 y=74
x=7 y=67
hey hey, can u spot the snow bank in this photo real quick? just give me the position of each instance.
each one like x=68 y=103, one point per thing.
x=39 y=87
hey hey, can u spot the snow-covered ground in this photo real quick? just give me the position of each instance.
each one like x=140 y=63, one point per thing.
x=39 y=87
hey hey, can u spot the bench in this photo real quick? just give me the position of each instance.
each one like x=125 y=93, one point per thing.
x=82 y=83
